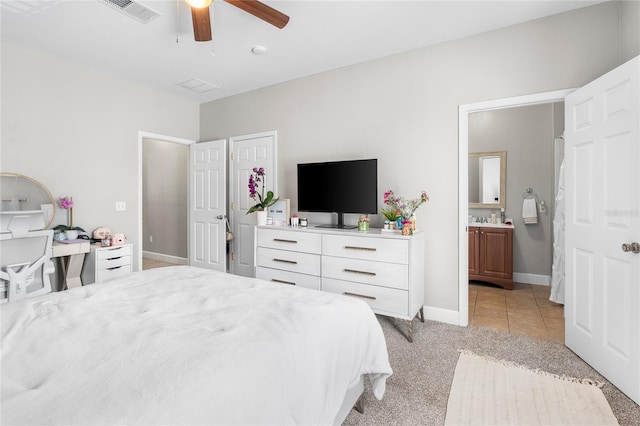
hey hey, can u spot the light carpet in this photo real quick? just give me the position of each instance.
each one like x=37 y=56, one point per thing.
x=487 y=391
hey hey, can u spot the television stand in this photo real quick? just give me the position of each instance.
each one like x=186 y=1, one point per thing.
x=339 y=225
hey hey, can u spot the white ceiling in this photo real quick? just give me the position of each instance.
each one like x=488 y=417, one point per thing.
x=320 y=36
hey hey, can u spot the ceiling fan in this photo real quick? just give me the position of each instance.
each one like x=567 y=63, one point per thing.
x=202 y=20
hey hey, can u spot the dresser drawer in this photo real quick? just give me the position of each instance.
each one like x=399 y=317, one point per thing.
x=106 y=274
x=289 y=261
x=378 y=249
x=113 y=262
x=111 y=252
x=291 y=241
x=286 y=277
x=382 y=300
x=393 y=275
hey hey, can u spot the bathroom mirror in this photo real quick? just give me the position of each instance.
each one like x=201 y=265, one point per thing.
x=21 y=193
x=487 y=179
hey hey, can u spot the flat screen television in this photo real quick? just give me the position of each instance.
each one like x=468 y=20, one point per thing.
x=338 y=187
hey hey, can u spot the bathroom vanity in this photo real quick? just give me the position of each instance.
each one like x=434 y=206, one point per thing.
x=491 y=253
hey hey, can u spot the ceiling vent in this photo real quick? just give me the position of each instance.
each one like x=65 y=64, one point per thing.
x=135 y=10
x=196 y=85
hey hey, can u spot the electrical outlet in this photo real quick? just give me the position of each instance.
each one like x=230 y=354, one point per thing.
x=121 y=206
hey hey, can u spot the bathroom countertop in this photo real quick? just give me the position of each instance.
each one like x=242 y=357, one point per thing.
x=491 y=225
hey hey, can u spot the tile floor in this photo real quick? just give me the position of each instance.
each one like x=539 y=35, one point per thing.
x=524 y=310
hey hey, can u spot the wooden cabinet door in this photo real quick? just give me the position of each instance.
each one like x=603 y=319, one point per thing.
x=474 y=254
x=496 y=253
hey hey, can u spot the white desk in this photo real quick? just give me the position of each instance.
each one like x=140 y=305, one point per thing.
x=71 y=259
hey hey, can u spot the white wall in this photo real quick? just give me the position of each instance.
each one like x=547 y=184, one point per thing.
x=404 y=111
x=76 y=131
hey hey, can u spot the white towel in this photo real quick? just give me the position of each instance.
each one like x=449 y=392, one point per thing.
x=529 y=211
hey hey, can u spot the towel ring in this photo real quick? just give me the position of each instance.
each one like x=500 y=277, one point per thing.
x=528 y=193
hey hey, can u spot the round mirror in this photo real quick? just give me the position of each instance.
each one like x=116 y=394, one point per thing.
x=21 y=193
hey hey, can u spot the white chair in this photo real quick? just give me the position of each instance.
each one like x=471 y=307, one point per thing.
x=25 y=264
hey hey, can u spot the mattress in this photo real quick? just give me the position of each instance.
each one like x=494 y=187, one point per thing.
x=185 y=345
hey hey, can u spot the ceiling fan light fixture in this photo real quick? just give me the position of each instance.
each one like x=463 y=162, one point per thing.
x=199 y=3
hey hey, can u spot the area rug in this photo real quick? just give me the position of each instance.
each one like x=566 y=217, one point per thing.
x=487 y=391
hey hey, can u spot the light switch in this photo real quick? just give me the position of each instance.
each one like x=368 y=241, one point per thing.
x=121 y=206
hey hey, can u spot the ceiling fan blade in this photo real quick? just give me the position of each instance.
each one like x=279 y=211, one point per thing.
x=201 y=23
x=262 y=11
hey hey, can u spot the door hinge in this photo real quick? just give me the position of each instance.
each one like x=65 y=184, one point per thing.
x=233 y=206
x=231 y=156
x=233 y=256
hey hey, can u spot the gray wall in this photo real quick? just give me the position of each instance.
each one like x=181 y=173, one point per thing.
x=165 y=188
x=527 y=134
x=76 y=131
x=404 y=110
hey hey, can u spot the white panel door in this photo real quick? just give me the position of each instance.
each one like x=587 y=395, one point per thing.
x=257 y=150
x=602 y=160
x=208 y=198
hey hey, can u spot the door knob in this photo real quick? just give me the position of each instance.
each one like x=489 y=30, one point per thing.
x=632 y=247
x=221 y=216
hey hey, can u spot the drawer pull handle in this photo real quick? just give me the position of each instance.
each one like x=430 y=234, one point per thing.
x=355 y=271
x=115 y=267
x=282 y=282
x=114 y=258
x=360 y=248
x=293 y=262
x=280 y=240
x=359 y=295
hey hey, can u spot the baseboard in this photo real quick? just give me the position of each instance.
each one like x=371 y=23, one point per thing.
x=441 y=315
x=535 y=279
x=165 y=258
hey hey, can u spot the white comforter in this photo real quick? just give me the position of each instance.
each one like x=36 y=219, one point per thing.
x=183 y=345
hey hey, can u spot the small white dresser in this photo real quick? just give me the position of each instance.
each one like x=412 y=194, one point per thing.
x=385 y=270
x=103 y=263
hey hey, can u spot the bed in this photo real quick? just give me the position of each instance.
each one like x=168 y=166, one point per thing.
x=185 y=345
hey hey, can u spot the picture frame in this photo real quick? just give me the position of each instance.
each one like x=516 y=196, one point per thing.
x=280 y=212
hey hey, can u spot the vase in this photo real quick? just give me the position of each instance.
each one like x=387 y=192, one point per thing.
x=71 y=234
x=399 y=223
x=261 y=217
x=406 y=229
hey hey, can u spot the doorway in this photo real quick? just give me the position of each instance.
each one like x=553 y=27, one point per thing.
x=464 y=112
x=163 y=249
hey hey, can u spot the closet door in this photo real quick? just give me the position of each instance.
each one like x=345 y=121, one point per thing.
x=247 y=152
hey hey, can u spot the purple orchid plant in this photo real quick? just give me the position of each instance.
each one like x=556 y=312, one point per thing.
x=257 y=180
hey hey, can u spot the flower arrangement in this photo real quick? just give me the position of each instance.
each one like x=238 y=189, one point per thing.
x=67 y=204
x=255 y=179
x=399 y=207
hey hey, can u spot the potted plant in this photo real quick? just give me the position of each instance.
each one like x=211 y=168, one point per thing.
x=392 y=215
x=257 y=179
x=70 y=231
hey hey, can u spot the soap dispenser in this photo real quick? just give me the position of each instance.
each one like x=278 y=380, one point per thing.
x=502 y=215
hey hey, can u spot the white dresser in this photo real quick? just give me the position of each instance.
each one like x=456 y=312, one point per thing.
x=102 y=263
x=385 y=270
